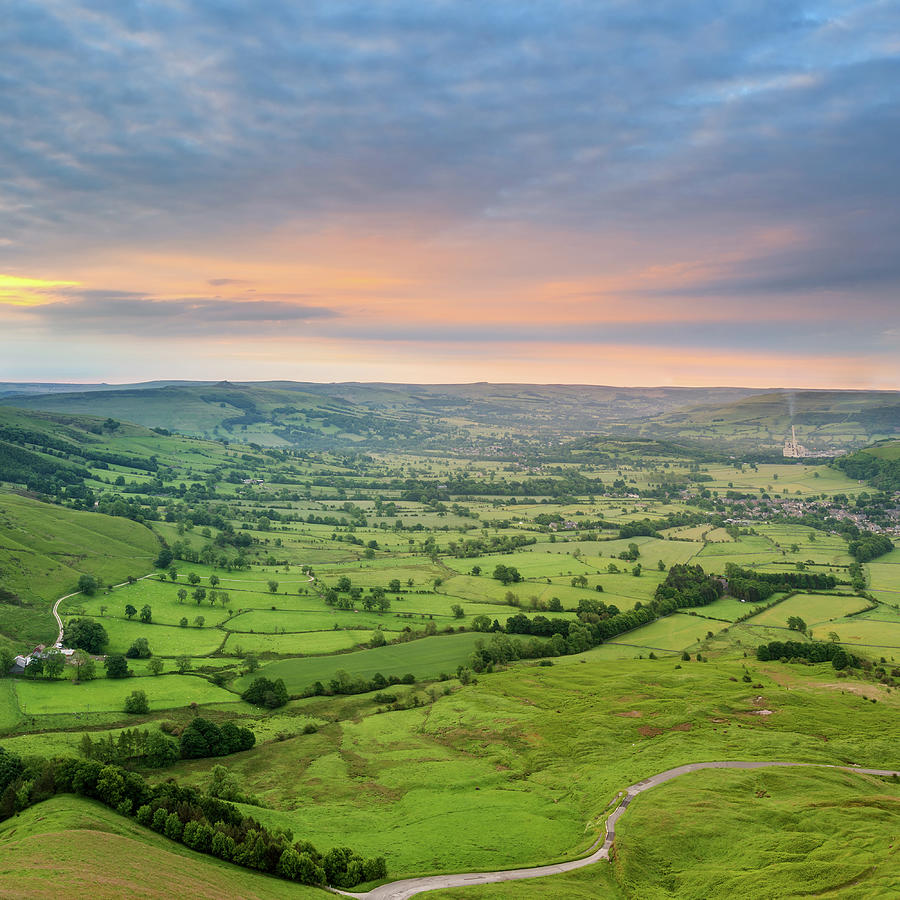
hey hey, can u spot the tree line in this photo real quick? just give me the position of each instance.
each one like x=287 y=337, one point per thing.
x=205 y=824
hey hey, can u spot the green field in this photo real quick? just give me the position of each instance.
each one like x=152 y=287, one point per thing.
x=672 y=633
x=814 y=609
x=424 y=658
x=864 y=632
x=38 y=698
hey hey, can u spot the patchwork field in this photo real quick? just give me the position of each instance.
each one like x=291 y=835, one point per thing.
x=814 y=609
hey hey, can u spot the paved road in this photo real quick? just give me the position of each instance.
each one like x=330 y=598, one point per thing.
x=400 y=890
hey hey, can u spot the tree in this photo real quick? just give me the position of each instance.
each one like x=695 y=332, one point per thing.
x=458 y=611
x=116 y=666
x=394 y=585
x=87 y=584
x=252 y=662
x=182 y=595
x=140 y=649
x=164 y=560
x=184 y=622
x=155 y=665
x=183 y=663
x=193 y=578
x=199 y=621
x=795 y=623
x=130 y=611
x=213 y=580
x=161 y=751
x=199 y=595
x=507 y=574
x=85 y=634
x=80 y=661
x=136 y=702
x=263 y=692
x=54 y=664
x=146 y=614
x=273 y=586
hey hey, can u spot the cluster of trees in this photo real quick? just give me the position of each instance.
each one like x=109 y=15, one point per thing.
x=817 y=651
x=85 y=634
x=204 y=823
x=880 y=471
x=870 y=546
x=345 y=683
x=345 y=596
x=145 y=747
x=202 y=738
x=265 y=692
x=507 y=574
x=687 y=585
x=757 y=587
x=480 y=546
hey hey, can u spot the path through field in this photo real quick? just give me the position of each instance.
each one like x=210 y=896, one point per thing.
x=409 y=887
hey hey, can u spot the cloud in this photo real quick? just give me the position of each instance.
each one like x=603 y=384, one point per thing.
x=616 y=135
x=131 y=313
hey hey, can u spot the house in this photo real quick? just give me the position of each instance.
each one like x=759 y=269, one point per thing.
x=19 y=664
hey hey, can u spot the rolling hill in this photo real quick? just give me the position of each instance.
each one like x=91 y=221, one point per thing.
x=68 y=846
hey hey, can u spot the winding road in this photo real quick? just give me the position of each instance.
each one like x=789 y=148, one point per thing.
x=409 y=887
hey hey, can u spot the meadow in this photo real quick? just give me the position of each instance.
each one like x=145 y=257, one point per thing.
x=469 y=766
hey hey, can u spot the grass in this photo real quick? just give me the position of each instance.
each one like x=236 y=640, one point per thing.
x=67 y=846
x=37 y=698
x=672 y=633
x=164 y=640
x=10 y=714
x=547 y=748
x=860 y=631
x=305 y=644
x=425 y=658
x=814 y=609
x=793 y=828
x=43 y=551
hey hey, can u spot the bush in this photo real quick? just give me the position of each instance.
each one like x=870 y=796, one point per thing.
x=140 y=649
x=116 y=666
x=136 y=702
x=263 y=692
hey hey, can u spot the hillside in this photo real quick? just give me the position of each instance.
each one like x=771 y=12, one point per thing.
x=878 y=465
x=320 y=416
x=43 y=551
x=67 y=846
x=827 y=422
x=324 y=415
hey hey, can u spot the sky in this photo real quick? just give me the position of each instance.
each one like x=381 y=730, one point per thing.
x=546 y=191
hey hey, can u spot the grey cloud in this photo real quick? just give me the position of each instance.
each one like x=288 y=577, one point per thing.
x=662 y=120
x=122 y=312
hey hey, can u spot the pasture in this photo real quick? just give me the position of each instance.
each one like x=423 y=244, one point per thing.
x=814 y=609
x=426 y=658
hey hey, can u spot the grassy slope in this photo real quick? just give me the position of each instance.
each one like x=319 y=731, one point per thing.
x=516 y=769
x=75 y=848
x=768 y=833
x=43 y=550
x=711 y=834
